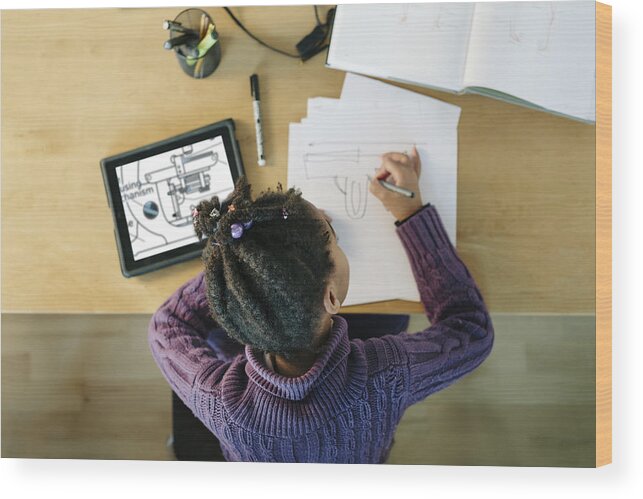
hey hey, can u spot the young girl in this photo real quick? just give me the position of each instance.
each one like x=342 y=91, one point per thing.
x=287 y=383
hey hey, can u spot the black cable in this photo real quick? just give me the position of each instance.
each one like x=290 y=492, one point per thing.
x=309 y=46
x=238 y=23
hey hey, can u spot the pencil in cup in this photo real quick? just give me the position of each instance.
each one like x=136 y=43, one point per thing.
x=185 y=39
x=201 y=58
x=174 y=26
x=198 y=67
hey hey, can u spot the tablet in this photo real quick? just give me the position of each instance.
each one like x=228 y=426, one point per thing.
x=152 y=191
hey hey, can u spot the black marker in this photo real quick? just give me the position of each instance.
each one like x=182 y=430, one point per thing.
x=254 y=91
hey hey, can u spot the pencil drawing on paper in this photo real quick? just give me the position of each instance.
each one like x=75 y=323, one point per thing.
x=442 y=16
x=531 y=24
x=160 y=192
x=349 y=165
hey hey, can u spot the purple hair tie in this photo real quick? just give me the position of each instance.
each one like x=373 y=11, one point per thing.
x=237 y=229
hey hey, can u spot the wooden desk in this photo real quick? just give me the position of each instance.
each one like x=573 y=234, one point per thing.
x=97 y=82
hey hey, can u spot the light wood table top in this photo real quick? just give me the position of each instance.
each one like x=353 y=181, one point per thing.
x=94 y=83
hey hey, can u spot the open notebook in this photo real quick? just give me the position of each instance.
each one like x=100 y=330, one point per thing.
x=536 y=54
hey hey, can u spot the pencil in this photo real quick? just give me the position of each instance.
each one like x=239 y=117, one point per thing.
x=198 y=67
x=203 y=27
x=394 y=188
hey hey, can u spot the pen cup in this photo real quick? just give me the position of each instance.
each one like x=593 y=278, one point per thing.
x=201 y=57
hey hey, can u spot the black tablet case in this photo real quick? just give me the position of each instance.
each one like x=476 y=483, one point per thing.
x=129 y=267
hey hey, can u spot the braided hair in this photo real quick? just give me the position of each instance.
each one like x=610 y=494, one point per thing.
x=266 y=287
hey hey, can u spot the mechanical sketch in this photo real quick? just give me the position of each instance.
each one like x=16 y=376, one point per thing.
x=349 y=165
x=185 y=175
x=531 y=24
x=160 y=192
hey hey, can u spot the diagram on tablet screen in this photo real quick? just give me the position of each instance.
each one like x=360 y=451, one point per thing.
x=160 y=192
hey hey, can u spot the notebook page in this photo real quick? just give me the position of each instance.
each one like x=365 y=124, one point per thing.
x=422 y=120
x=542 y=52
x=331 y=170
x=359 y=88
x=340 y=144
x=369 y=239
x=419 y=43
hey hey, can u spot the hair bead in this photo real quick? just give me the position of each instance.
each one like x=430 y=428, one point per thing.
x=237 y=229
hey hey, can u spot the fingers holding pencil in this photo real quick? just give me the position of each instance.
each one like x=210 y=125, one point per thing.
x=412 y=159
x=396 y=183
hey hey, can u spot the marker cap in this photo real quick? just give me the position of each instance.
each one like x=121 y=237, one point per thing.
x=254 y=87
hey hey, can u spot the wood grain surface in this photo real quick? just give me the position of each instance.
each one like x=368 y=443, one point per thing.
x=603 y=234
x=103 y=85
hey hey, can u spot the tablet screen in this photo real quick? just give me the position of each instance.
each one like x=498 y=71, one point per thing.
x=160 y=191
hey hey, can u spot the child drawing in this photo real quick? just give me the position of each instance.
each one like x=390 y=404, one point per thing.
x=256 y=347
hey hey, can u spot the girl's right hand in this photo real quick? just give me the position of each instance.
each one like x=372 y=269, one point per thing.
x=404 y=171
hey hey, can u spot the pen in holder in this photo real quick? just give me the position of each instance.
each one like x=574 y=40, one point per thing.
x=195 y=41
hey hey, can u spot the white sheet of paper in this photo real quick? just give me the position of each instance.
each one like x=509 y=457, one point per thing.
x=332 y=152
x=542 y=52
x=318 y=103
x=356 y=238
x=369 y=39
x=361 y=88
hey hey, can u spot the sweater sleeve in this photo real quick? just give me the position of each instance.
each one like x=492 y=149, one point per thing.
x=461 y=333
x=184 y=341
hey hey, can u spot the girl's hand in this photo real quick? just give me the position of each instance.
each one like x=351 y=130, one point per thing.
x=404 y=171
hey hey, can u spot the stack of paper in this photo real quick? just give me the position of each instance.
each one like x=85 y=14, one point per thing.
x=339 y=143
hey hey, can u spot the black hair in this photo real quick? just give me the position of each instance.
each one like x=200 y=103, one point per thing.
x=266 y=287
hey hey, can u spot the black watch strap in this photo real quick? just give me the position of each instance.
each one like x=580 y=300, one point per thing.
x=400 y=222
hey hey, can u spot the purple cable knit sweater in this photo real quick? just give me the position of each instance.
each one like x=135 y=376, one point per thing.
x=346 y=408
